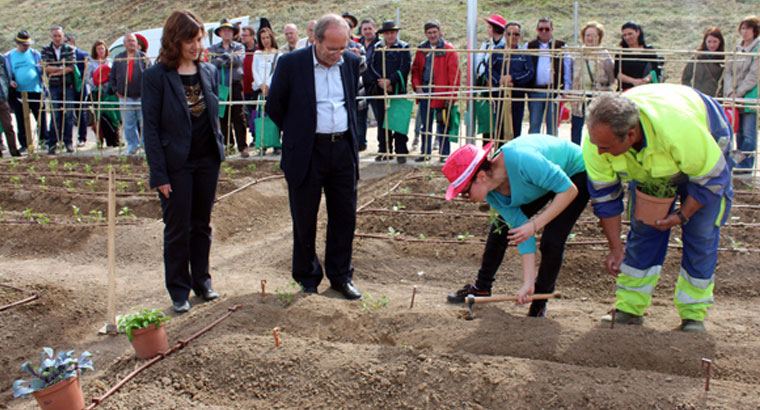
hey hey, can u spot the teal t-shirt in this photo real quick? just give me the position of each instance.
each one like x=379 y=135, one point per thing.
x=25 y=71
x=536 y=164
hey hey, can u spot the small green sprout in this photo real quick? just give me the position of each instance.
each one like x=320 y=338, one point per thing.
x=53 y=165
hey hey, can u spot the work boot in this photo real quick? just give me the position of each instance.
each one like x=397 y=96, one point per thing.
x=692 y=326
x=460 y=295
x=624 y=318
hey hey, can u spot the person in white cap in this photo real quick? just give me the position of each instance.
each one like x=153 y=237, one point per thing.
x=524 y=175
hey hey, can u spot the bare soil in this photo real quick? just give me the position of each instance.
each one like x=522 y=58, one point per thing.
x=375 y=353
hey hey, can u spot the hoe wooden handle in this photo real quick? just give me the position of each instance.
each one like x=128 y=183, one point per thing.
x=487 y=299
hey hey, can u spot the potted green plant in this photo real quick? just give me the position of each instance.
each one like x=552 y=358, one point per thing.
x=144 y=329
x=55 y=384
x=653 y=200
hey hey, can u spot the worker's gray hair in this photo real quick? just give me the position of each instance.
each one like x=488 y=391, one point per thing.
x=327 y=21
x=620 y=113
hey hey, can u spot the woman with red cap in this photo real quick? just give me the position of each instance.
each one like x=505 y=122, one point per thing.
x=142 y=43
x=518 y=181
x=107 y=115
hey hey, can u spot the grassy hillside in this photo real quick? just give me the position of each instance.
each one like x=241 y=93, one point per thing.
x=673 y=24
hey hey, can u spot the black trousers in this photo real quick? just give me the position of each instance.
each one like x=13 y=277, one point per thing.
x=331 y=170
x=552 y=244
x=187 y=231
x=34 y=110
x=237 y=121
x=383 y=145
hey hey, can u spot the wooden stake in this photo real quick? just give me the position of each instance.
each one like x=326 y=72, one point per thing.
x=276 y=332
x=111 y=325
x=706 y=364
x=263 y=287
x=414 y=292
x=27 y=124
x=612 y=322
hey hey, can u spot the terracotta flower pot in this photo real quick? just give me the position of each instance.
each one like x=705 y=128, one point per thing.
x=649 y=209
x=64 y=395
x=150 y=341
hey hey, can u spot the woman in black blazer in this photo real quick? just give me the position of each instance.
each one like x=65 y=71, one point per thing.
x=183 y=145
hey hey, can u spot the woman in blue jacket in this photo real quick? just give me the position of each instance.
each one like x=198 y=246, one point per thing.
x=518 y=181
x=517 y=73
x=183 y=145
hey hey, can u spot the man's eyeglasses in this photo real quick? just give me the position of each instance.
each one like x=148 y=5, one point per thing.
x=514 y=34
x=544 y=29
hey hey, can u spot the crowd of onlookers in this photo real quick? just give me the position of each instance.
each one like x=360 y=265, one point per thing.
x=548 y=73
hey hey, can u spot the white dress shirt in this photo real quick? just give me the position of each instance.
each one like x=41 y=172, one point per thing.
x=332 y=115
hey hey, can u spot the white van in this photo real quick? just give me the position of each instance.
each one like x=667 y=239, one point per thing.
x=153 y=36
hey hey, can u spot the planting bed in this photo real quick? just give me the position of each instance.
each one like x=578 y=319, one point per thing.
x=378 y=353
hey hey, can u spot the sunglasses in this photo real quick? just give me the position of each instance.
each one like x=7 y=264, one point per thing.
x=514 y=34
x=544 y=29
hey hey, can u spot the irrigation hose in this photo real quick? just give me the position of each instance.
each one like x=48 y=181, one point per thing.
x=181 y=344
x=34 y=295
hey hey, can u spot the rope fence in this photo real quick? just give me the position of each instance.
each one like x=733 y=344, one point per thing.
x=465 y=94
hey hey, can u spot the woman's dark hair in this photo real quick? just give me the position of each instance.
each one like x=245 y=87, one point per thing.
x=271 y=35
x=752 y=22
x=636 y=27
x=715 y=32
x=484 y=166
x=94 y=53
x=497 y=29
x=180 y=27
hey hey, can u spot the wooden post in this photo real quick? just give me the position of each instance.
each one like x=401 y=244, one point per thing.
x=111 y=326
x=28 y=125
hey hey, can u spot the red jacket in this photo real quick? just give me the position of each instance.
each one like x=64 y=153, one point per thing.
x=445 y=72
x=248 y=73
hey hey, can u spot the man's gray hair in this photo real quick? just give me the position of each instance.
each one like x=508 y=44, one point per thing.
x=620 y=113
x=56 y=28
x=327 y=21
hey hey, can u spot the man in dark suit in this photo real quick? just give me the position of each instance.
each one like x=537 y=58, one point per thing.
x=547 y=80
x=312 y=99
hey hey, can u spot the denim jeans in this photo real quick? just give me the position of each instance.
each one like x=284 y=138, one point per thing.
x=518 y=112
x=427 y=117
x=538 y=105
x=61 y=122
x=746 y=138
x=130 y=115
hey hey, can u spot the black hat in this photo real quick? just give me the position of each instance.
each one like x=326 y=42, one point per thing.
x=264 y=22
x=389 y=25
x=351 y=17
x=23 y=37
x=226 y=23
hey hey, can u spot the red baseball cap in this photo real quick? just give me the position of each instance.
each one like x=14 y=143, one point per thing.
x=497 y=20
x=461 y=166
